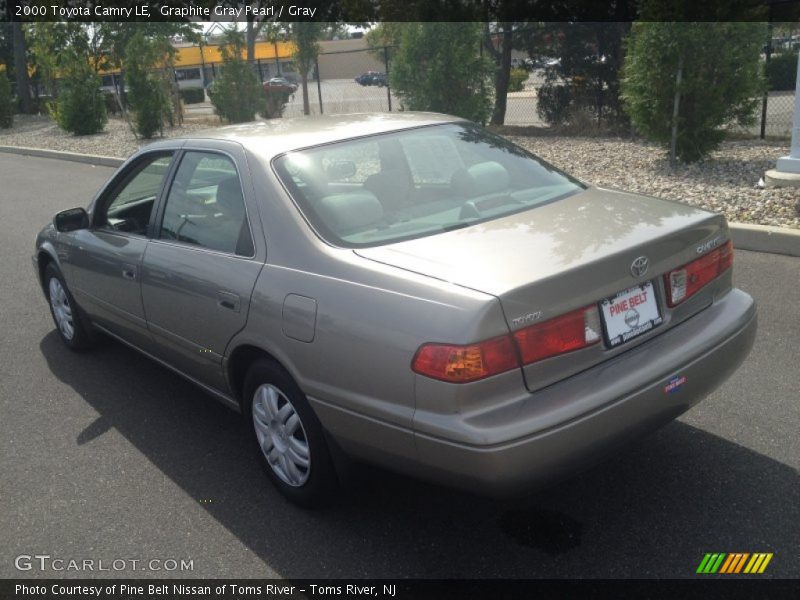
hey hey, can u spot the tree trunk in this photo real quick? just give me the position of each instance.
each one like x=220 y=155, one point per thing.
x=251 y=34
x=123 y=95
x=21 y=68
x=502 y=76
x=673 y=152
x=304 y=79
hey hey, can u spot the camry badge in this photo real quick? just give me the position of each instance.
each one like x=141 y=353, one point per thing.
x=639 y=266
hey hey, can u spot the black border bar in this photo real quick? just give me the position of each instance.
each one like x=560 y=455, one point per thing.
x=370 y=11
x=730 y=588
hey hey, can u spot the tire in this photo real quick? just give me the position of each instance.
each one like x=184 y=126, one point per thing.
x=71 y=323
x=287 y=436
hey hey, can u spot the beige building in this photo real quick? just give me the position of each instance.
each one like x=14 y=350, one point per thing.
x=345 y=59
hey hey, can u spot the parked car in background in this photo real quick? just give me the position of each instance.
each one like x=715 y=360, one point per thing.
x=280 y=84
x=406 y=289
x=524 y=63
x=372 y=78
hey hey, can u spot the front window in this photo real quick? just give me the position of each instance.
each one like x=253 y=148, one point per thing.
x=391 y=187
x=130 y=205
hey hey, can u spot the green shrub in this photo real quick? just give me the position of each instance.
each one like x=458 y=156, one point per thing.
x=721 y=81
x=112 y=105
x=554 y=103
x=574 y=105
x=275 y=103
x=80 y=108
x=437 y=68
x=781 y=71
x=147 y=95
x=236 y=93
x=192 y=95
x=516 y=81
x=589 y=62
x=6 y=102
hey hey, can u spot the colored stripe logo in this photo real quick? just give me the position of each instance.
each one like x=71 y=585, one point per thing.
x=735 y=562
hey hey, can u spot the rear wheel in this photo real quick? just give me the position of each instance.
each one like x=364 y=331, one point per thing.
x=288 y=437
x=70 y=322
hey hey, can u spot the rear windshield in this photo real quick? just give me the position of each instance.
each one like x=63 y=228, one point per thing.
x=391 y=187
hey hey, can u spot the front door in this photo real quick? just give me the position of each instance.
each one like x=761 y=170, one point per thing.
x=199 y=269
x=106 y=258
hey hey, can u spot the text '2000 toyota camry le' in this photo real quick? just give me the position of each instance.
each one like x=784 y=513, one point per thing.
x=408 y=290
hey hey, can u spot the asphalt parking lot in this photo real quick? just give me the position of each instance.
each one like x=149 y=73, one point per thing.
x=109 y=456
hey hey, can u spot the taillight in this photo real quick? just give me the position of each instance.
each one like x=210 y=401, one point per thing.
x=572 y=331
x=685 y=281
x=462 y=364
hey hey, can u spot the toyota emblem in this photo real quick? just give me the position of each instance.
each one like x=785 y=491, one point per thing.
x=639 y=266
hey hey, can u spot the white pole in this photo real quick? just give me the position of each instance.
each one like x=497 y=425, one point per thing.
x=791 y=163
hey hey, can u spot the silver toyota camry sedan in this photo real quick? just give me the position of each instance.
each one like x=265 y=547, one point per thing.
x=404 y=289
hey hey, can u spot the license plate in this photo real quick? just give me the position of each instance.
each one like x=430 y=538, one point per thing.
x=630 y=313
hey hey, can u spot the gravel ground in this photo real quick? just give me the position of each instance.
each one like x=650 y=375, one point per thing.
x=117 y=140
x=726 y=182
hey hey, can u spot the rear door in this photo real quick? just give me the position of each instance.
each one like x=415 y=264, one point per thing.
x=199 y=269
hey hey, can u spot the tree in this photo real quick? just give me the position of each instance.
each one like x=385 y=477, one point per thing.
x=80 y=108
x=148 y=93
x=53 y=47
x=21 y=68
x=335 y=31
x=502 y=72
x=6 y=102
x=384 y=35
x=305 y=35
x=6 y=45
x=781 y=71
x=255 y=25
x=438 y=68
x=684 y=81
x=112 y=38
x=585 y=80
x=236 y=93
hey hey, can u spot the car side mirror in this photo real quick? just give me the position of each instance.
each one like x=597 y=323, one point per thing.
x=71 y=219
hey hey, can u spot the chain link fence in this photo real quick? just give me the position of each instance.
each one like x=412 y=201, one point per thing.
x=773 y=116
x=358 y=80
x=346 y=82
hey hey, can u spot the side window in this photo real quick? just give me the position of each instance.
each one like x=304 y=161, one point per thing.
x=205 y=206
x=132 y=200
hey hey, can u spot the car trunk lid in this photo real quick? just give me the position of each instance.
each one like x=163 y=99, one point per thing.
x=545 y=262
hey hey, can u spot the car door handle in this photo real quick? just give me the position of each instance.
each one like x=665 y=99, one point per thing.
x=229 y=301
x=129 y=272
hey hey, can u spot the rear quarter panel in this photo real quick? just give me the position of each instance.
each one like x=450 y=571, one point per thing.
x=370 y=321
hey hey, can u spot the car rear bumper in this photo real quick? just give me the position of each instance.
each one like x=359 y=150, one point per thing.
x=629 y=395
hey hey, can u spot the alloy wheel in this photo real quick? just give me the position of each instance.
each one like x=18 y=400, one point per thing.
x=281 y=435
x=62 y=311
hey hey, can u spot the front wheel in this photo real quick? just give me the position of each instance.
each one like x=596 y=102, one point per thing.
x=289 y=439
x=66 y=314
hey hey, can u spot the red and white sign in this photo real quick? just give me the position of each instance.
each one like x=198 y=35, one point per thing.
x=630 y=313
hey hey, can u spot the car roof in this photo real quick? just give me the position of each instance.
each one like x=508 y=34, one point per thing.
x=276 y=136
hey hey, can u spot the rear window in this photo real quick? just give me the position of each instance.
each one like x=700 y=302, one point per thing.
x=391 y=187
